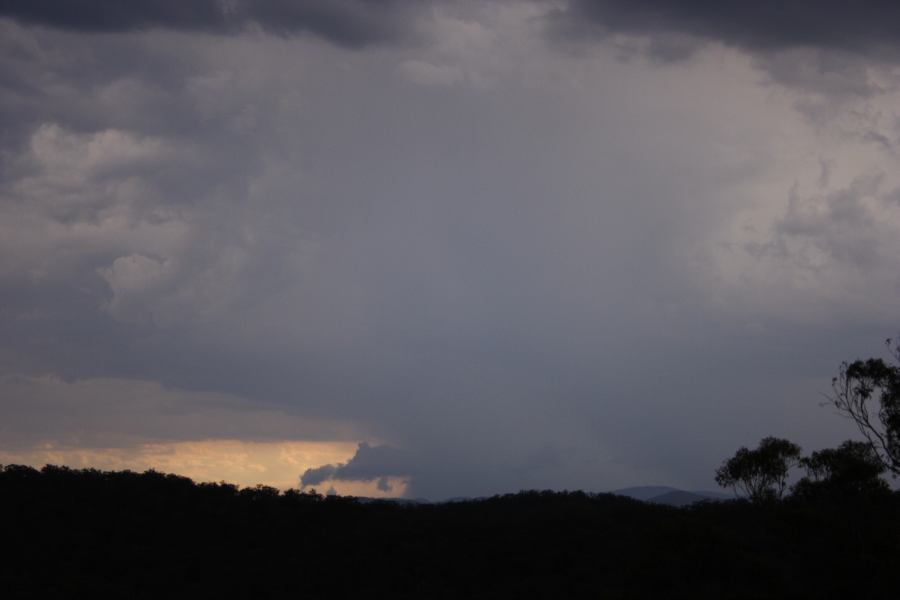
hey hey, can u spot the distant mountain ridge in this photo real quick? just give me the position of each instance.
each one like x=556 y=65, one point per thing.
x=654 y=494
x=670 y=496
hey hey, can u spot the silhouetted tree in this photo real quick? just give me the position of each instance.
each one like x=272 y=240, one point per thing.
x=851 y=469
x=861 y=384
x=762 y=473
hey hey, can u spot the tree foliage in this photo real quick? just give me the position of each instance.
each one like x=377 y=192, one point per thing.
x=853 y=469
x=868 y=393
x=760 y=474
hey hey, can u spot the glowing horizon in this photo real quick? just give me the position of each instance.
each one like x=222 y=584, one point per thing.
x=277 y=464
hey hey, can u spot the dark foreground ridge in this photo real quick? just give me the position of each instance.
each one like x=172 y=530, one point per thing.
x=87 y=533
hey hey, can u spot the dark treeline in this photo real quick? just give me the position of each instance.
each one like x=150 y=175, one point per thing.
x=88 y=533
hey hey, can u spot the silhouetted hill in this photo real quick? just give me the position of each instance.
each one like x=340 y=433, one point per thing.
x=90 y=534
x=662 y=494
x=644 y=492
x=678 y=498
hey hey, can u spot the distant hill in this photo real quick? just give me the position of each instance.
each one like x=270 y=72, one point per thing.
x=670 y=496
x=392 y=500
x=657 y=494
x=678 y=498
x=645 y=492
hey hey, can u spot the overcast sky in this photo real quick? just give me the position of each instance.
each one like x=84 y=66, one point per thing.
x=441 y=248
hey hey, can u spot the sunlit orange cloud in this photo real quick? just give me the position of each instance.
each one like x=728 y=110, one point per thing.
x=277 y=464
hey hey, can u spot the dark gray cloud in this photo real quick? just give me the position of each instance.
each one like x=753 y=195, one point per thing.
x=834 y=50
x=438 y=472
x=318 y=475
x=368 y=464
x=109 y=15
x=764 y=25
x=353 y=23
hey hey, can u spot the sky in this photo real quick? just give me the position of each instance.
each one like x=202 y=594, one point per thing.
x=440 y=248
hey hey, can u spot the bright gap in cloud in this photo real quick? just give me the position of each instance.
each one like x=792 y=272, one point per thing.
x=277 y=464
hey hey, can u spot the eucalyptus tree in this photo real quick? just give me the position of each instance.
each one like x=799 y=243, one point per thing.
x=760 y=474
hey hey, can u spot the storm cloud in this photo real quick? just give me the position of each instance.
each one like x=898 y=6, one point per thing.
x=869 y=25
x=485 y=263
x=838 y=50
x=353 y=23
x=369 y=463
